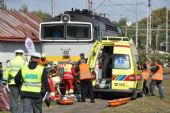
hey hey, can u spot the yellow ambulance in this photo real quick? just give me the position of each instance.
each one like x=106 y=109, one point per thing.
x=114 y=63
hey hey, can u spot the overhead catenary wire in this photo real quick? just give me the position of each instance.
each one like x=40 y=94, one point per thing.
x=99 y=5
x=123 y=6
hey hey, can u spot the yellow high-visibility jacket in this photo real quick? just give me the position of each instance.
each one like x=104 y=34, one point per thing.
x=12 y=69
x=32 y=79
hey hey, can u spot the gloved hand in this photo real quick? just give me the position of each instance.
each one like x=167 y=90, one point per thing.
x=52 y=94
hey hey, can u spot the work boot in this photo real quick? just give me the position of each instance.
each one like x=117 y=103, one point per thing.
x=162 y=97
x=152 y=94
x=92 y=101
x=83 y=100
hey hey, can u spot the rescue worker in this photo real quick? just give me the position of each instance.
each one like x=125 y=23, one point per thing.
x=85 y=81
x=54 y=81
x=69 y=73
x=43 y=61
x=82 y=56
x=10 y=72
x=32 y=77
x=145 y=75
x=157 y=79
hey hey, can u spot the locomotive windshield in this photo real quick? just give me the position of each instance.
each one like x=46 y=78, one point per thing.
x=78 y=31
x=66 y=31
x=52 y=31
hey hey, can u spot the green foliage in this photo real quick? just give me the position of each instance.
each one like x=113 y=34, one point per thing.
x=2 y=4
x=24 y=8
x=42 y=15
x=163 y=57
x=122 y=22
x=158 y=28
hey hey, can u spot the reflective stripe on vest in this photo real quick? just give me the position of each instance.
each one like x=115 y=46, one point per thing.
x=38 y=84
x=159 y=74
x=71 y=76
x=145 y=74
x=67 y=68
x=84 y=71
x=32 y=79
x=13 y=67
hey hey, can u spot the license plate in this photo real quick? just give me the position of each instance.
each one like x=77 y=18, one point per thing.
x=122 y=84
x=119 y=84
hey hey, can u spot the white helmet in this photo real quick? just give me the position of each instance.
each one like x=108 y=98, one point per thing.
x=19 y=51
x=36 y=54
x=48 y=66
x=43 y=55
x=55 y=63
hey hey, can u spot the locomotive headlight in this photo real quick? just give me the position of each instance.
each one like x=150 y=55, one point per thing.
x=65 y=18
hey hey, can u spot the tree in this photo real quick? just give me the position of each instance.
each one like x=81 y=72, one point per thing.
x=24 y=8
x=122 y=24
x=158 y=25
x=42 y=15
x=2 y=4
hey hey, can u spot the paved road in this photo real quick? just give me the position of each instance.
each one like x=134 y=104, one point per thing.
x=78 y=107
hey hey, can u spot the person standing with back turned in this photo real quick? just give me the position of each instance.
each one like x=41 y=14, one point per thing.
x=157 y=79
x=10 y=72
x=85 y=81
x=32 y=77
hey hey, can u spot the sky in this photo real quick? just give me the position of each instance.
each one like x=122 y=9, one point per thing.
x=114 y=9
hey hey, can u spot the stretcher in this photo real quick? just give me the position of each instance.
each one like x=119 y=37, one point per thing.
x=118 y=102
x=65 y=101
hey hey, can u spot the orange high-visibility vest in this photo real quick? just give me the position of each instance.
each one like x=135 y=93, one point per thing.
x=145 y=74
x=159 y=74
x=84 y=71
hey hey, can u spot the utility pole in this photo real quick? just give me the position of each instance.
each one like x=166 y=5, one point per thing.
x=149 y=32
x=90 y=5
x=157 y=35
x=136 y=24
x=53 y=7
x=167 y=41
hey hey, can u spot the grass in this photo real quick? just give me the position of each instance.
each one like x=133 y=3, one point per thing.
x=147 y=104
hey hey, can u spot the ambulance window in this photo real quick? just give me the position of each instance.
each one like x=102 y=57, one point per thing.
x=125 y=39
x=121 y=61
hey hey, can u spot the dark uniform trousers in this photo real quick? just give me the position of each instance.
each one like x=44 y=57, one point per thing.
x=14 y=95
x=30 y=104
x=145 y=87
x=157 y=83
x=86 y=85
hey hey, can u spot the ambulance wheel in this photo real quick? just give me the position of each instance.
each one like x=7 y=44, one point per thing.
x=96 y=95
x=140 y=94
x=134 y=95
